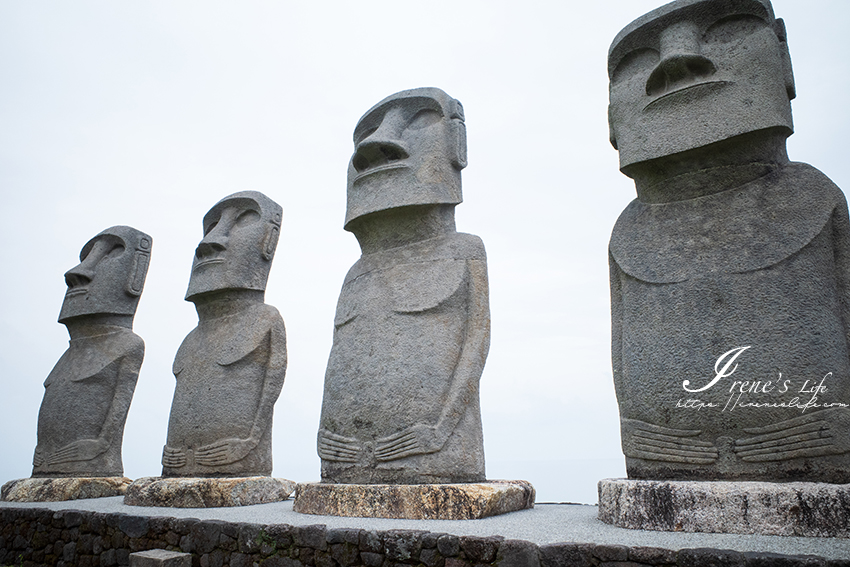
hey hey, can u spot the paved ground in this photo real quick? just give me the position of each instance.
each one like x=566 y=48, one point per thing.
x=546 y=523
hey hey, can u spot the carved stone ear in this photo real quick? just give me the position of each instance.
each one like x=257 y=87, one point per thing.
x=788 y=70
x=459 y=159
x=611 y=137
x=136 y=281
x=270 y=241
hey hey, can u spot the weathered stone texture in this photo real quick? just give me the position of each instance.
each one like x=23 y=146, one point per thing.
x=729 y=270
x=804 y=509
x=64 y=488
x=412 y=326
x=87 y=394
x=230 y=369
x=415 y=501
x=207 y=492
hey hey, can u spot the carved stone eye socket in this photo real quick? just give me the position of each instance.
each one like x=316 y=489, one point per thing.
x=636 y=64
x=733 y=28
x=209 y=228
x=424 y=118
x=115 y=251
x=247 y=217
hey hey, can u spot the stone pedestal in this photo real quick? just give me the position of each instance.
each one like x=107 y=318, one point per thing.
x=805 y=509
x=63 y=488
x=207 y=492
x=160 y=558
x=415 y=501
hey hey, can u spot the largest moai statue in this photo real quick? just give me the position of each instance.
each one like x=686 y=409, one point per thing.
x=87 y=394
x=729 y=272
x=412 y=326
x=230 y=368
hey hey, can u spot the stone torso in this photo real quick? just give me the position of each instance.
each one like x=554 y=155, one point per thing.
x=762 y=266
x=220 y=370
x=400 y=328
x=87 y=395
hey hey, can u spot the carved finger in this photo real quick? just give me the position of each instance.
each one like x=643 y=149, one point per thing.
x=63 y=455
x=651 y=428
x=700 y=454
x=347 y=446
x=337 y=449
x=330 y=456
x=387 y=447
x=400 y=436
x=747 y=445
x=399 y=455
x=771 y=454
x=396 y=448
x=212 y=458
x=788 y=425
x=670 y=458
x=675 y=443
x=220 y=452
x=336 y=437
x=208 y=452
x=410 y=448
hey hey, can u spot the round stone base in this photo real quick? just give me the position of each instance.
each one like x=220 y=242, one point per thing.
x=806 y=509
x=415 y=501
x=172 y=492
x=63 y=488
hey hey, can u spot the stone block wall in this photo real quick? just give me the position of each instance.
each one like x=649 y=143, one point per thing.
x=30 y=536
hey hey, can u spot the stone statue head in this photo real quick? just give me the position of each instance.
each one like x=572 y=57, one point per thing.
x=240 y=237
x=696 y=72
x=409 y=149
x=110 y=276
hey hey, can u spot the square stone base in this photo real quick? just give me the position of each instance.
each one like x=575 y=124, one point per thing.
x=806 y=509
x=57 y=489
x=415 y=501
x=172 y=492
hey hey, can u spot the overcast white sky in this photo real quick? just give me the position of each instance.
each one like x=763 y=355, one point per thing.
x=147 y=113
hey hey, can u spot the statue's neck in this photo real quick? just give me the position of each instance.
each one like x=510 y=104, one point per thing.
x=226 y=302
x=402 y=226
x=710 y=169
x=88 y=326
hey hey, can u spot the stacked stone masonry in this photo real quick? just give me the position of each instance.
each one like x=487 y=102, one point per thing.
x=31 y=536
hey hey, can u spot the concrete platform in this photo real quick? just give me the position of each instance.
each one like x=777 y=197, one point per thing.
x=543 y=525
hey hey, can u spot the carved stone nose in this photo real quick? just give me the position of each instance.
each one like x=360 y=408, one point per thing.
x=78 y=277
x=677 y=71
x=206 y=249
x=374 y=154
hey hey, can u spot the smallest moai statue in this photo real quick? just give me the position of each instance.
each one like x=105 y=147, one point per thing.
x=87 y=394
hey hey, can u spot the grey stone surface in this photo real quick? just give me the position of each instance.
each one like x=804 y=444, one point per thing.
x=729 y=272
x=160 y=558
x=87 y=394
x=412 y=326
x=207 y=492
x=230 y=368
x=806 y=509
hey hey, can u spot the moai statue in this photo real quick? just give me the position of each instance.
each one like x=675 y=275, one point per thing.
x=230 y=368
x=412 y=326
x=88 y=393
x=729 y=272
